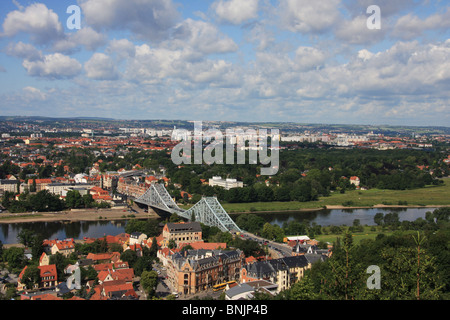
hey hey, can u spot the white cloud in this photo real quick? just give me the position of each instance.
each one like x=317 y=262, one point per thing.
x=101 y=67
x=41 y=23
x=305 y=16
x=156 y=66
x=410 y=26
x=200 y=36
x=31 y=93
x=53 y=66
x=308 y=58
x=86 y=37
x=148 y=19
x=355 y=31
x=123 y=48
x=24 y=51
x=236 y=11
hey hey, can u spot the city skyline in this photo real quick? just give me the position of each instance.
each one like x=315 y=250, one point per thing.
x=249 y=61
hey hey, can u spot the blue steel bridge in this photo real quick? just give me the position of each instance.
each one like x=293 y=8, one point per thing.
x=208 y=210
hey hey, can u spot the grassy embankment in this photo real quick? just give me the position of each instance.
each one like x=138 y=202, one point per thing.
x=428 y=196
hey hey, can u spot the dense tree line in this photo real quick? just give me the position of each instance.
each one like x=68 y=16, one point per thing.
x=306 y=174
x=44 y=201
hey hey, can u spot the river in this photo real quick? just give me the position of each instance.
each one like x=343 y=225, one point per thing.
x=96 y=229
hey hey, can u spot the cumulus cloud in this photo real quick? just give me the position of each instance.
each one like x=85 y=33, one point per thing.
x=31 y=93
x=236 y=11
x=355 y=31
x=410 y=26
x=200 y=36
x=41 y=23
x=123 y=48
x=164 y=66
x=308 y=58
x=305 y=16
x=405 y=69
x=85 y=37
x=24 y=51
x=53 y=66
x=147 y=19
x=101 y=67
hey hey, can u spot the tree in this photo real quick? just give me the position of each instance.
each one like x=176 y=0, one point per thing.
x=272 y=232
x=250 y=222
x=342 y=275
x=37 y=247
x=154 y=247
x=172 y=244
x=149 y=281
x=25 y=237
x=14 y=257
x=88 y=201
x=74 y=199
x=303 y=290
x=31 y=277
x=378 y=218
x=61 y=263
x=408 y=270
x=129 y=256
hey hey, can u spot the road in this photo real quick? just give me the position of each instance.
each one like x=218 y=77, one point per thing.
x=278 y=250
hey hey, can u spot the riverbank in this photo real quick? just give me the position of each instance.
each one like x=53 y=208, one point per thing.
x=76 y=215
x=430 y=196
x=120 y=214
x=338 y=207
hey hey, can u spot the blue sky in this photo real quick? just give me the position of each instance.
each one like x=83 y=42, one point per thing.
x=230 y=60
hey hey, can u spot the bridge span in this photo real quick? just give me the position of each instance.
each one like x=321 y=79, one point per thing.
x=208 y=210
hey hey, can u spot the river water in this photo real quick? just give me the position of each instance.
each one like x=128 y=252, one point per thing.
x=97 y=229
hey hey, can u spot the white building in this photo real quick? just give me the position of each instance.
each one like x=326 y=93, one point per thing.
x=225 y=183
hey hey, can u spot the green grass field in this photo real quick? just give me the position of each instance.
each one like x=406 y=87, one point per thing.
x=358 y=236
x=430 y=195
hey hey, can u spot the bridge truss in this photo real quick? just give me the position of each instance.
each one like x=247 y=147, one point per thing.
x=208 y=210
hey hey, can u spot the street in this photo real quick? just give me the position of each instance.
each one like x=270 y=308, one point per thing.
x=278 y=250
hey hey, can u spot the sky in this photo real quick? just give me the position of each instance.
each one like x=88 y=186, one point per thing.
x=228 y=60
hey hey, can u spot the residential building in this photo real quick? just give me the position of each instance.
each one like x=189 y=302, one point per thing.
x=48 y=277
x=355 y=180
x=283 y=272
x=8 y=185
x=104 y=257
x=66 y=248
x=44 y=260
x=137 y=238
x=193 y=271
x=182 y=233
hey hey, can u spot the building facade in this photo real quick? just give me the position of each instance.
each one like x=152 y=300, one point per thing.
x=193 y=271
x=182 y=232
